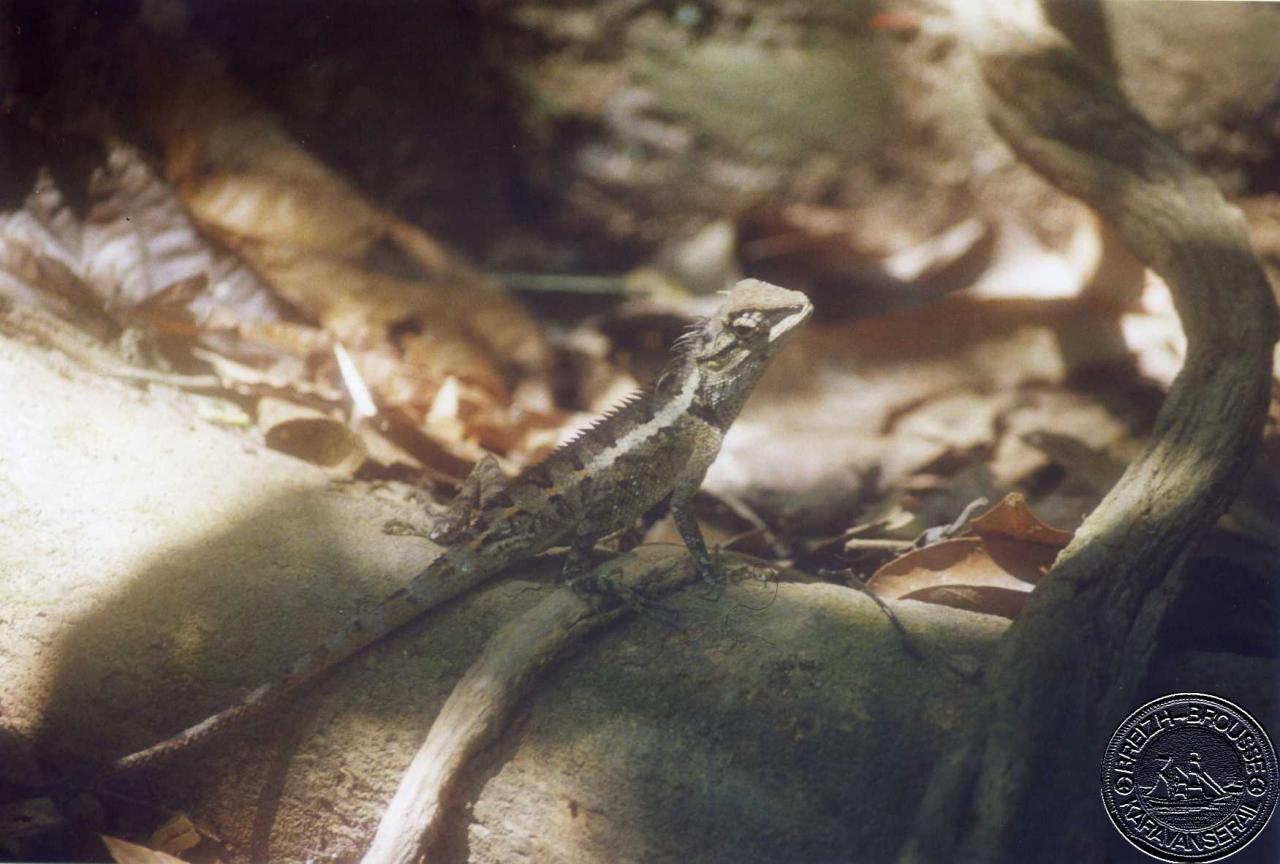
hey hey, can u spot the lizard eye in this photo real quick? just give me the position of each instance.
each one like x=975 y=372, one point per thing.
x=744 y=326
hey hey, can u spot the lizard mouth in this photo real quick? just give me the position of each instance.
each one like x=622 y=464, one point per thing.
x=797 y=315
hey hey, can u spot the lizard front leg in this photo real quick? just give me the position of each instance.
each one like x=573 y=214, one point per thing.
x=691 y=534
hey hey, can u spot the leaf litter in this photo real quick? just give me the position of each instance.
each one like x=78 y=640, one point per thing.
x=234 y=264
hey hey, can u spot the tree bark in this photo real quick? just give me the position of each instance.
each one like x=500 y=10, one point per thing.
x=1023 y=785
x=480 y=706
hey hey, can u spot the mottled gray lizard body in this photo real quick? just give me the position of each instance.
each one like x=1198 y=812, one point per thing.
x=656 y=444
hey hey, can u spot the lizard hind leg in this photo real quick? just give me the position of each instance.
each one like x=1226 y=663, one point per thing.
x=592 y=586
x=577 y=564
x=484 y=482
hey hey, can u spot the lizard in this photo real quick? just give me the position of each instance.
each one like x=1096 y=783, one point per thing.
x=654 y=446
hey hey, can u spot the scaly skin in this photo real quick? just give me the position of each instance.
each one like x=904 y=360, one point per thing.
x=656 y=444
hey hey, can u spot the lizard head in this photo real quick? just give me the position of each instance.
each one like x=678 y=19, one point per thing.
x=755 y=321
x=730 y=352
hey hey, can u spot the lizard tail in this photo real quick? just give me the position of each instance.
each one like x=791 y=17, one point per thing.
x=443 y=579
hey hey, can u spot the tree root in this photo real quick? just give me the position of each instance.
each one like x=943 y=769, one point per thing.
x=481 y=703
x=1022 y=786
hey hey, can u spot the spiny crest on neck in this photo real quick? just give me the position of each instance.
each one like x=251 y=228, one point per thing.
x=691 y=336
x=681 y=365
x=635 y=408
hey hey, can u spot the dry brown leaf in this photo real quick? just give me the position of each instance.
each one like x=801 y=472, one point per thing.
x=411 y=313
x=309 y=435
x=30 y=277
x=1012 y=519
x=1018 y=542
x=319 y=440
x=1012 y=551
x=439 y=460
x=987 y=599
x=890 y=520
x=124 y=852
x=137 y=257
x=176 y=835
x=138 y=240
x=282 y=379
x=963 y=561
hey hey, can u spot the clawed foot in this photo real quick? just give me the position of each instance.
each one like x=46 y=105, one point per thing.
x=589 y=586
x=594 y=585
x=712 y=572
